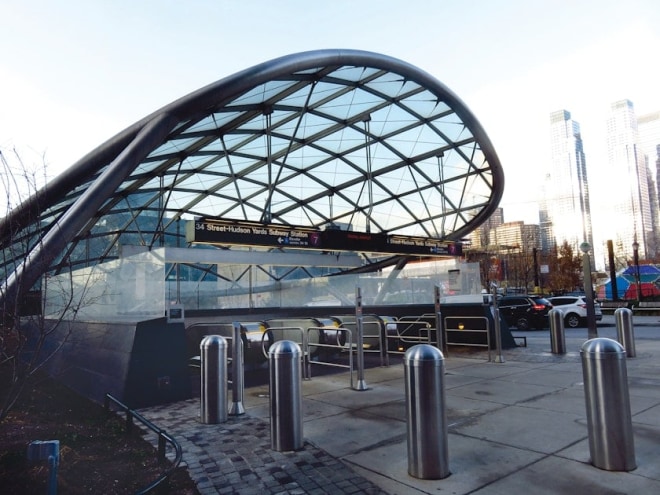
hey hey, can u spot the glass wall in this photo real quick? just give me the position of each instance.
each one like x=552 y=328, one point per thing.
x=127 y=288
x=143 y=285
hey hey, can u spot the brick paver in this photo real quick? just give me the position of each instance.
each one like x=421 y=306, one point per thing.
x=236 y=457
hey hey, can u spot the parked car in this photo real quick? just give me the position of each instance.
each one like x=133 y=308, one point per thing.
x=574 y=309
x=525 y=312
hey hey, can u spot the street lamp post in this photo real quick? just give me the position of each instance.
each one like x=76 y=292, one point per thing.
x=592 y=332
x=638 y=288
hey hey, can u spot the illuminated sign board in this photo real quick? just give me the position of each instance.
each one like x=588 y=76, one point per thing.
x=224 y=232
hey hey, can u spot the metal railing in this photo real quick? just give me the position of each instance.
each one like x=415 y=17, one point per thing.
x=295 y=334
x=163 y=438
x=373 y=336
x=410 y=330
x=467 y=324
x=341 y=345
x=224 y=330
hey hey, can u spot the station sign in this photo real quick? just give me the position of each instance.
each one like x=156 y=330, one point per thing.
x=232 y=233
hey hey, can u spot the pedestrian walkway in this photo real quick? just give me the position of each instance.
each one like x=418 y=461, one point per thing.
x=517 y=426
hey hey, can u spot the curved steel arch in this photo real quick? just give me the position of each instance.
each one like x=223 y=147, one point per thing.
x=318 y=139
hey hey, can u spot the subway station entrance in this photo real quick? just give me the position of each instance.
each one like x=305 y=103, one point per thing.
x=285 y=185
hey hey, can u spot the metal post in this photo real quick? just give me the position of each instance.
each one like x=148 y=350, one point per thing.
x=638 y=287
x=610 y=260
x=535 y=255
x=424 y=371
x=286 y=424
x=498 y=330
x=383 y=325
x=161 y=447
x=588 y=291
x=625 y=330
x=439 y=327
x=49 y=450
x=609 y=421
x=557 y=337
x=213 y=401
x=237 y=372
x=359 y=345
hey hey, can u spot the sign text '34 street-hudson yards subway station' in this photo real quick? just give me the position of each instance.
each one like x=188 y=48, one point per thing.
x=226 y=232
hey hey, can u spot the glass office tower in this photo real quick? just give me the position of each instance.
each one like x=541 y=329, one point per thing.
x=565 y=212
x=630 y=199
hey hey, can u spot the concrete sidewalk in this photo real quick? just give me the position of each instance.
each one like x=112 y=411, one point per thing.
x=514 y=427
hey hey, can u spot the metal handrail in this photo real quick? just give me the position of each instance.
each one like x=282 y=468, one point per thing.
x=302 y=343
x=163 y=437
x=418 y=324
x=485 y=330
x=352 y=326
x=347 y=345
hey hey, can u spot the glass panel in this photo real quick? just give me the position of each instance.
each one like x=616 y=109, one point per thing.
x=132 y=288
x=353 y=74
x=392 y=85
x=452 y=128
x=261 y=93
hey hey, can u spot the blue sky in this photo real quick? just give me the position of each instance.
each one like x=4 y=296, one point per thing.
x=74 y=73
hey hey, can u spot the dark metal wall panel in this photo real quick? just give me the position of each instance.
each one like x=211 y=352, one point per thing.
x=93 y=358
x=158 y=370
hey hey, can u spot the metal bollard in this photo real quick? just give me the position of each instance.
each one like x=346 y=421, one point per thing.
x=424 y=371
x=440 y=336
x=498 y=327
x=557 y=337
x=609 y=421
x=625 y=330
x=213 y=401
x=49 y=450
x=237 y=372
x=359 y=341
x=286 y=423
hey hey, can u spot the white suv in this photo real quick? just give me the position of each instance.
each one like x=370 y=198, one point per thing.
x=574 y=309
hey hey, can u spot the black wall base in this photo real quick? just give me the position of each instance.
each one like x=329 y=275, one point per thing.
x=158 y=370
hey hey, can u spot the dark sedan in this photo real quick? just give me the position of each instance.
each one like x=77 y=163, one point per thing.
x=525 y=312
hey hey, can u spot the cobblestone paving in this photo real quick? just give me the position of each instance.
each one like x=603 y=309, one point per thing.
x=235 y=457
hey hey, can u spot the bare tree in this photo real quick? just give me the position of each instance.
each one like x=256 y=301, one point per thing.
x=26 y=332
x=521 y=269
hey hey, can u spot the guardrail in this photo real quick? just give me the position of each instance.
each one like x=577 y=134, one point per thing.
x=287 y=333
x=340 y=346
x=163 y=438
x=373 y=339
x=226 y=331
x=612 y=305
x=410 y=330
x=467 y=324
x=649 y=306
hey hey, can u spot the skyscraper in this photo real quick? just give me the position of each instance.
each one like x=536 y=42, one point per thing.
x=629 y=207
x=515 y=237
x=565 y=212
x=481 y=236
x=648 y=127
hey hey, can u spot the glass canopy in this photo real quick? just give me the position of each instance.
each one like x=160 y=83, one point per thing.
x=326 y=139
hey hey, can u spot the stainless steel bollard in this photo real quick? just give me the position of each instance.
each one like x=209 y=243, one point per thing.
x=424 y=371
x=213 y=401
x=359 y=341
x=286 y=425
x=48 y=450
x=625 y=330
x=609 y=421
x=237 y=372
x=557 y=336
x=440 y=336
x=498 y=327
